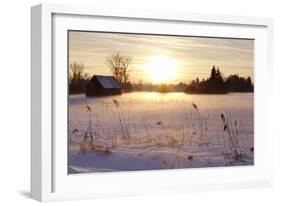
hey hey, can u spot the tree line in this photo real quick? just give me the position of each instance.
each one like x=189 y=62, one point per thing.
x=120 y=67
x=216 y=84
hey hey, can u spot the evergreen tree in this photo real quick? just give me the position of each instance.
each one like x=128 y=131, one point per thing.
x=216 y=84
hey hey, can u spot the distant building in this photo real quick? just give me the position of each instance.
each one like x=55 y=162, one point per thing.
x=103 y=86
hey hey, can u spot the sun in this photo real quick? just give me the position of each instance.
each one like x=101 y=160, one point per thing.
x=161 y=69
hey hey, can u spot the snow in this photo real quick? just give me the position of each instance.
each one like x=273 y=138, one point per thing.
x=149 y=130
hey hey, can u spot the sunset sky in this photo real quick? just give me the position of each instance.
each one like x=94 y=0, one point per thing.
x=162 y=59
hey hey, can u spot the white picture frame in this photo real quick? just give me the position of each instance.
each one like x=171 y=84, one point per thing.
x=49 y=179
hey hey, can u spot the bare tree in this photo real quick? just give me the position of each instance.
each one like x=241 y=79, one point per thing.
x=120 y=67
x=77 y=72
x=125 y=69
x=77 y=77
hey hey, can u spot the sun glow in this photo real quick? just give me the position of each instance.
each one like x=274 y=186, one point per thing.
x=161 y=69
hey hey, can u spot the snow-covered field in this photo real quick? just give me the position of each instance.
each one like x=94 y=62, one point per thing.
x=148 y=130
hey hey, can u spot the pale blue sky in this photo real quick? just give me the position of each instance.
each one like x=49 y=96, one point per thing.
x=194 y=56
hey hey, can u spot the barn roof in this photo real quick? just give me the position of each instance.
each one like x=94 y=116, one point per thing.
x=108 y=82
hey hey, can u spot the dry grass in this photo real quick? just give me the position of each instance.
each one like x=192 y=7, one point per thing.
x=192 y=131
x=232 y=144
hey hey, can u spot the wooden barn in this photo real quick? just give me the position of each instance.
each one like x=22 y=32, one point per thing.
x=103 y=86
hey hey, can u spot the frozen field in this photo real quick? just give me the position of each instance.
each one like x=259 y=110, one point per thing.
x=148 y=130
